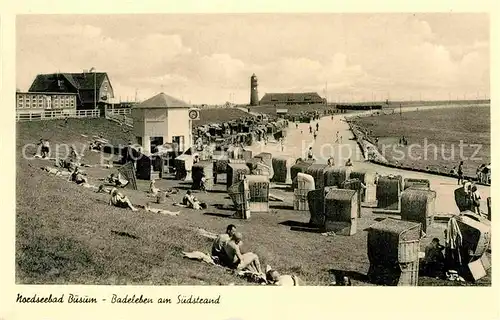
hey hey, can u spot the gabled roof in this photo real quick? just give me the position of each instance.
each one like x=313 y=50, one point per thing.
x=85 y=81
x=79 y=81
x=162 y=101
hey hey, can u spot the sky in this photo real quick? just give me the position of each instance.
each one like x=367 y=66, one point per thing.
x=208 y=58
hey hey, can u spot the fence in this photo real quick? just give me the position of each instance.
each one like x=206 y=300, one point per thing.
x=121 y=119
x=118 y=112
x=23 y=116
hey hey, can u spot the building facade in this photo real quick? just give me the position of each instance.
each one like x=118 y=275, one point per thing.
x=162 y=119
x=40 y=102
x=291 y=98
x=93 y=89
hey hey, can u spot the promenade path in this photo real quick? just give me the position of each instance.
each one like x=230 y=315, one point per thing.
x=298 y=140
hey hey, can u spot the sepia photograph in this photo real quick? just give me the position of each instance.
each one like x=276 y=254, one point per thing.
x=246 y=149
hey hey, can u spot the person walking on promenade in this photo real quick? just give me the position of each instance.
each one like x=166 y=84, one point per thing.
x=476 y=198
x=310 y=153
x=460 y=173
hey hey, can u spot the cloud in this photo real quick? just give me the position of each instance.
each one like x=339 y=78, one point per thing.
x=208 y=58
x=61 y=30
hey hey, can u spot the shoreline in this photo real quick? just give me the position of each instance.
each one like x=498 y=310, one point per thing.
x=360 y=142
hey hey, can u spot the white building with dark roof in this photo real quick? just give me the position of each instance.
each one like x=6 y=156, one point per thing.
x=162 y=119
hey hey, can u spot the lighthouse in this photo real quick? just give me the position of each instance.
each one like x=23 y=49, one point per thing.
x=254 y=94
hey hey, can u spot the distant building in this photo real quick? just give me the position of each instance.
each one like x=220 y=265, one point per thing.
x=291 y=98
x=162 y=119
x=92 y=89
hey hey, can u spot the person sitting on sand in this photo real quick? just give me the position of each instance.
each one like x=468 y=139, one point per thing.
x=190 y=201
x=117 y=181
x=248 y=261
x=153 y=189
x=433 y=263
x=73 y=156
x=218 y=254
x=203 y=183
x=78 y=177
x=121 y=201
x=45 y=148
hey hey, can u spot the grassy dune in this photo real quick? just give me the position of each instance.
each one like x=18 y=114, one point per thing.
x=444 y=128
x=66 y=234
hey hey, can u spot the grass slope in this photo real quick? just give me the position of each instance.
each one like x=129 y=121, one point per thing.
x=444 y=128
x=66 y=234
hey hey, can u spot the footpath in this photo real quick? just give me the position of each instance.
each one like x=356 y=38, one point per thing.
x=298 y=140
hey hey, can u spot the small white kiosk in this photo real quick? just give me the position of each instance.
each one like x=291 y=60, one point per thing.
x=162 y=119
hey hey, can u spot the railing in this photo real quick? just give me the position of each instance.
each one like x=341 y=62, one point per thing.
x=119 y=112
x=27 y=115
x=121 y=119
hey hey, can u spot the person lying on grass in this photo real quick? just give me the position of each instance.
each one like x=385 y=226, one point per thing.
x=273 y=277
x=119 y=200
x=148 y=208
x=248 y=261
